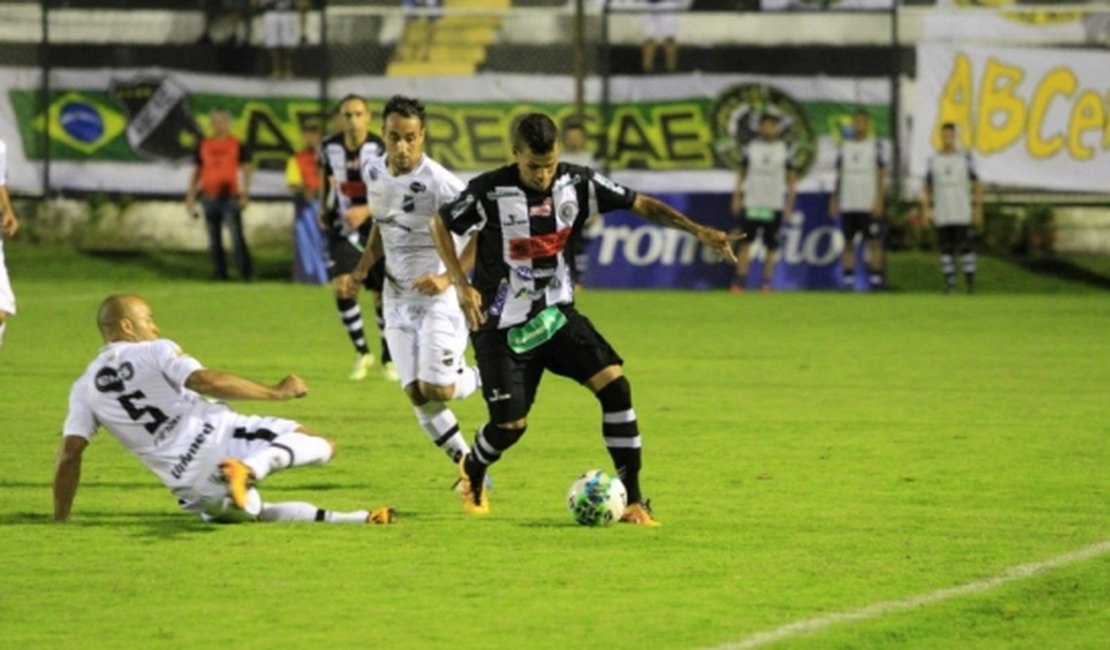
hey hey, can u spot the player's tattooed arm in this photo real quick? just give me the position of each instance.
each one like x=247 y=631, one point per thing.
x=224 y=385
x=660 y=213
x=67 y=475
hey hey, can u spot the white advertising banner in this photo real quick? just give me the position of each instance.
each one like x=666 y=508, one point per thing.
x=1031 y=117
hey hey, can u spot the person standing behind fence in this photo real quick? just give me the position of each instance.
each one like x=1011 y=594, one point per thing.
x=8 y=227
x=766 y=176
x=576 y=151
x=302 y=176
x=219 y=161
x=660 y=24
x=858 y=199
x=281 y=32
x=953 y=202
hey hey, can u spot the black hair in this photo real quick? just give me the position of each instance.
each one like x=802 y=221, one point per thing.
x=862 y=111
x=948 y=126
x=351 y=97
x=768 y=115
x=405 y=107
x=574 y=123
x=310 y=127
x=535 y=132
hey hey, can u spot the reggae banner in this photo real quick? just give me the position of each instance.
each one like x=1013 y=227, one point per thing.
x=135 y=130
x=1035 y=118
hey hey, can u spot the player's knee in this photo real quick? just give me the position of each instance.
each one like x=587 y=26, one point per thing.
x=436 y=392
x=503 y=436
x=415 y=394
x=616 y=395
x=3 y=316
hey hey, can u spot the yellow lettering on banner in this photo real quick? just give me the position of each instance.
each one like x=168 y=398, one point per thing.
x=1058 y=81
x=998 y=99
x=1088 y=114
x=1106 y=132
x=956 y=102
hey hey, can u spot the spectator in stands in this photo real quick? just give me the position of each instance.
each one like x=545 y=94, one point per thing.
x=220 y=160
x=8 y=227
x=232 y=12
x=424 y=13
x=953 y=201
x=302 y=176
x=575 y=150
x=282 y=24
x=660 y=24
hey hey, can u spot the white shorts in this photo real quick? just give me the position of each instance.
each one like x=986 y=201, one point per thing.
x=660 y=25
x=7 y=297
x=281 y=29
x=244 y=435
x=427 y=341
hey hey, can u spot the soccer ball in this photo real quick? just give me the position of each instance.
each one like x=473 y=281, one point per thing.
x=596 y=499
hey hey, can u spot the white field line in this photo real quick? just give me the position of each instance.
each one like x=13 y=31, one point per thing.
x=1013 y=574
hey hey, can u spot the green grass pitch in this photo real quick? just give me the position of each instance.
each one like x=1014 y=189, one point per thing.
x=808 y=454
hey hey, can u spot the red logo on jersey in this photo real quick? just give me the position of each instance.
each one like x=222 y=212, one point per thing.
x=526 y=248
x=353 y=189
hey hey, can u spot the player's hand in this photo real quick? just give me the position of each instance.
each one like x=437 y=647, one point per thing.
x=431 y=284
x=243 y=201
x=10 y=225
x=471 y=303
x=348 y=285
x=356 y=215
x=191 y=204
x=292 y=387
x=719 y=241
x=832 y=208
x=737 y=204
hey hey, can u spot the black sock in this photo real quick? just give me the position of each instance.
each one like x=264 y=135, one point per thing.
x=351 y=315
x=386 y=356
x=622 y=434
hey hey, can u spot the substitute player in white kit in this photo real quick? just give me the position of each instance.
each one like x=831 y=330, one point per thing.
x=424 y=326
x=8 y=227
x=149 y=395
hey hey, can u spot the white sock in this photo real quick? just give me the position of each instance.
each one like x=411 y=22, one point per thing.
x=289 y=450
x=442 y=427
x=301 y=511
x=466 y=382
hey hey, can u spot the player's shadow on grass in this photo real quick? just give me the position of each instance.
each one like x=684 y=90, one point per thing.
x=164 y=525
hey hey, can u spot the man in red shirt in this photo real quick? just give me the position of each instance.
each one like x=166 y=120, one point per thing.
x=220 y=160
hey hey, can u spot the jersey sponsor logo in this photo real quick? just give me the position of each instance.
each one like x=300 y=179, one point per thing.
x=499 y=299
x=526 y=248
x=417 y=187
x=495 y=395
x=609 y=185
x=566 y=180
x=462 y=205
x=185 y=459
x=529 y=273
x=108 y=381
x=494 y=195
x=353 y=189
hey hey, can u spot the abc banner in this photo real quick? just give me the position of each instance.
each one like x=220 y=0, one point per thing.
x=631 y=253
x=135 y=130
x=1032 y=118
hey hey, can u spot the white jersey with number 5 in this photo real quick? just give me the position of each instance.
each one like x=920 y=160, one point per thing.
x=137 y=392
x=403 y=207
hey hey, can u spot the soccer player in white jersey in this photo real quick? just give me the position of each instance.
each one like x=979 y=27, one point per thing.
x=8 y=227
x=424 y=326
x=151 y=397
x=953 y=200
x=858 y=199
x=766 y=188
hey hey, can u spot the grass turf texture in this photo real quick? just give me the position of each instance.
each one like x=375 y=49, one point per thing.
x=807 y=454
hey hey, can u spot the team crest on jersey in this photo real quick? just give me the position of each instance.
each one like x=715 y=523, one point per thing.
x=568 y=211
x=735 y=121
x=417 y=187
x=408 y=203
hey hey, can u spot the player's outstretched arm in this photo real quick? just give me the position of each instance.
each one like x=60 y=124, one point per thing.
x=469 y=299
x=67 y=474
x=660 y=213
x=224 y=385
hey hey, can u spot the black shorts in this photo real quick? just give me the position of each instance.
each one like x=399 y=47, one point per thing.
x=343 y=257
x=770 y=230
x=852 y=223
x=510 y=379
x=951 y=238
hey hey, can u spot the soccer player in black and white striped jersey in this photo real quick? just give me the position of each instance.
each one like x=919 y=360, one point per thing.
x=345 y=221
x=521 y=306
